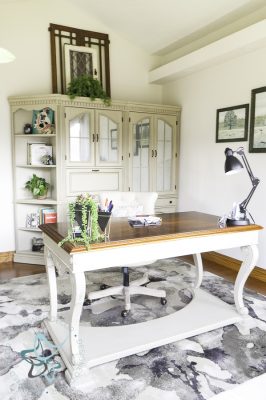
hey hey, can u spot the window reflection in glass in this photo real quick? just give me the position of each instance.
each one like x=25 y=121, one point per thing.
x=141 y=143
x=108 y=139
x=79 y=143
x=164 y=156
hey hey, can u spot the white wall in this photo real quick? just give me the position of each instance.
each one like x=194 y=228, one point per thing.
x=203 y=184
x=24 y=31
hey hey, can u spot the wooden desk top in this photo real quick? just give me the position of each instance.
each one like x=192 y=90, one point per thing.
x=174 y=225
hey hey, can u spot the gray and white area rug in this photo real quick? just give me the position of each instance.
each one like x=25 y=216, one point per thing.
x=193 y=369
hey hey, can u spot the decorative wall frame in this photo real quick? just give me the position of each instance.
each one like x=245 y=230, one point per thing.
x=232 y=124
x=86 y=46
x=79 y=60
x=257 y=138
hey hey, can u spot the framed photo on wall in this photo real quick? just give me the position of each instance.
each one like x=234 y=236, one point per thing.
x=232 y=124
x=257 y=139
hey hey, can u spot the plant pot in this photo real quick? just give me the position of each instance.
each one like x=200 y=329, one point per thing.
x=41 y=197
x=103 y=219
x=78 y=215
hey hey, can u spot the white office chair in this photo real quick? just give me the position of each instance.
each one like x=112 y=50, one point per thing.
x=128 y=204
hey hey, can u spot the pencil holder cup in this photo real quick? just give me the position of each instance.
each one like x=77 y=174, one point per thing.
x=104 y=221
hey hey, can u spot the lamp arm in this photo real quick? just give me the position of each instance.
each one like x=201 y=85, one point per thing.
x=244 y=203
x=254 y=181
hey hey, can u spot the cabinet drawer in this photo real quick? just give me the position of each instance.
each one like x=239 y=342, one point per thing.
x=166 y=202
x=93 y=180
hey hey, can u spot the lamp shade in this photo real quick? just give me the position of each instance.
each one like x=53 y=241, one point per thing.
x=232 y=164
x=6 y=56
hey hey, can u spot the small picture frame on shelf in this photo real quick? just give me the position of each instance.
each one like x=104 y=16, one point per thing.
x=232 y=124
x=43 y=121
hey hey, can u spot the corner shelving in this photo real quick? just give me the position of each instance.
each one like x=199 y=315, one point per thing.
x=25 y=206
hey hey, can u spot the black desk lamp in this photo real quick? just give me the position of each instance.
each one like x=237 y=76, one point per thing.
x=233 y=165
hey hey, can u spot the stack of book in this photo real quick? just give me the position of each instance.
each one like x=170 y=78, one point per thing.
x=138 y=222
x=48 y=216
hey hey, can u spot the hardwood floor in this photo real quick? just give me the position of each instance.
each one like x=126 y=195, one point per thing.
x=10 y=270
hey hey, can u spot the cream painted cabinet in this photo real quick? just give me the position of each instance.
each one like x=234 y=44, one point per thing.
x=94 y=137
x=153 y=155
x=93 y=145
x=121 y=147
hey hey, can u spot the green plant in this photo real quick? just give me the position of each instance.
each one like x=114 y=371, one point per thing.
x=83 y=205
x=37 y=185
x=87 y=86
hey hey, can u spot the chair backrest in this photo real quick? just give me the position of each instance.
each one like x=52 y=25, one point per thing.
x=129 y=204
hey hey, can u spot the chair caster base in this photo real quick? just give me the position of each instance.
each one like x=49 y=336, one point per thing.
x=87 y=302
x=104 y=286
x=124 y=313
x=163 y=301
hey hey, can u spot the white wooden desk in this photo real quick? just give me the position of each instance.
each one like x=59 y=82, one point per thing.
x=180 y=234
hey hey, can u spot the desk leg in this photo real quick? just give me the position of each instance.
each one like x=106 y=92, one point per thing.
x=251 y=257
x=78 y=285
x=199 y=269
x=50 y=270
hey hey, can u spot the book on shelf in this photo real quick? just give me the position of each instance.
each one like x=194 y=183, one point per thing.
x=36 y=152
x=48 y=216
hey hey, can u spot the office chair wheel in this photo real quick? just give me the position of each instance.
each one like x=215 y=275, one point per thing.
x=103 y=286
x=87 y=302
x=124 y=313
x=163 y=301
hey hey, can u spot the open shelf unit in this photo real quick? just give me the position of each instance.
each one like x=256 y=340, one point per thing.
x=26 y=207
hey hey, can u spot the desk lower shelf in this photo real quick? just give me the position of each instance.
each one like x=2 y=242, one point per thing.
x=99 y=345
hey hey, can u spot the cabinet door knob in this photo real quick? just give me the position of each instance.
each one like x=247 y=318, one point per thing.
x=155 y=153
x=152 y=153
x=95 y=170
x=93 y=137
x=97 y=137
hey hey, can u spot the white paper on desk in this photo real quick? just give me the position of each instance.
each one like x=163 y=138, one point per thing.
x=148 y=220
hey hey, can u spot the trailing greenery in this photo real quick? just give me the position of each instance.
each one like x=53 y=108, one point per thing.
x=87 y=86
x=37 y=185
x=83 y=204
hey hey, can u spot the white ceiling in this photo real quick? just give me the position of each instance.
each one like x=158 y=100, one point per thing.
x=159 y=26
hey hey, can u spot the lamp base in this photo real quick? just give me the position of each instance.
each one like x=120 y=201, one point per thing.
x=237 y=222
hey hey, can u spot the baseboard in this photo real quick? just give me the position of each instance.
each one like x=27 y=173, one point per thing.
x=6 y=257
x=233 y=264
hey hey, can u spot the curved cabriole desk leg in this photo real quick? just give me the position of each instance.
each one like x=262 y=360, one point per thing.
x=199 y=270
x=251 y=255
x=50 y=270
x=78 y=294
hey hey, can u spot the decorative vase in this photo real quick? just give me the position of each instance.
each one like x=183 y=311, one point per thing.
x=41 y=197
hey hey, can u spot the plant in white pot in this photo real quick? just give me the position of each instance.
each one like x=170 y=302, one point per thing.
x=37 y=186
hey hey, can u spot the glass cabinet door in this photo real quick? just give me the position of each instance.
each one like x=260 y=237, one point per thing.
x=108 y=137
x=164 y=153
x=80 y=136
x=140 y=153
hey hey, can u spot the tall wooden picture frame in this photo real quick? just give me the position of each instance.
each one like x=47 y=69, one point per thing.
x=90 y=52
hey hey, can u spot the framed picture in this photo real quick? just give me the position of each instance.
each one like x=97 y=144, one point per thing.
x=43 y=121
x=232 y=124
x=257 y=139
x=114 y=139
x=80 y=60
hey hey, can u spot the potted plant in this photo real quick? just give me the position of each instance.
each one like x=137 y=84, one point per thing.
x=84 y=212
x=87 y=86
x=38 y=186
